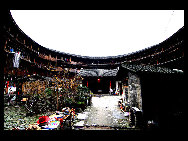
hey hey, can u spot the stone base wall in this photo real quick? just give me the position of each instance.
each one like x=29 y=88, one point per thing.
x=134 y=91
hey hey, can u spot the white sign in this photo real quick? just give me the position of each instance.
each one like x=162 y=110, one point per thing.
x=11 y=90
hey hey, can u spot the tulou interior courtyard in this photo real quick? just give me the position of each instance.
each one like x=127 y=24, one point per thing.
x=46 y=89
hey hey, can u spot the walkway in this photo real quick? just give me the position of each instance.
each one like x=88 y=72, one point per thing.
x=104 y=112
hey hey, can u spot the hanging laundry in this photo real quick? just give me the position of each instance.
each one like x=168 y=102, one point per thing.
x=16 y=60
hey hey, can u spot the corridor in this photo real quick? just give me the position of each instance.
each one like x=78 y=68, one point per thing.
x=103 y=114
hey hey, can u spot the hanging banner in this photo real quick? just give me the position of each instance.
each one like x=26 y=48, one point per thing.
x=16 y=60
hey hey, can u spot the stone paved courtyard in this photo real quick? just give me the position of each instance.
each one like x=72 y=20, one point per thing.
x=104 y=112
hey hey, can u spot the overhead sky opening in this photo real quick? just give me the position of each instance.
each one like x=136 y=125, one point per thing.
x=98 y=33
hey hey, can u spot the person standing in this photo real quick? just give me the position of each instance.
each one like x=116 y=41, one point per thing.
x=111 y=91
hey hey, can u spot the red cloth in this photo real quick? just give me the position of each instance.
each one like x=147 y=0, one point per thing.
x=43 y=119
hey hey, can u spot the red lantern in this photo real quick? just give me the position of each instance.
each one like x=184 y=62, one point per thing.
x=98 y=80
x=87 y=83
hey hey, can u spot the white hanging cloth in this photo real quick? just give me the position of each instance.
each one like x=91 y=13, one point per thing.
x=16 y=60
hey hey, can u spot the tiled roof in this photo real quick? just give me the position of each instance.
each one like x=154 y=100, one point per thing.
x=98 y=72
x=149 y=68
